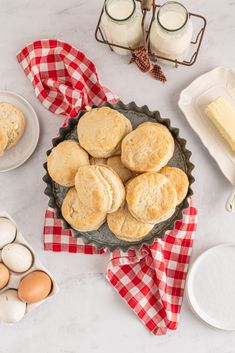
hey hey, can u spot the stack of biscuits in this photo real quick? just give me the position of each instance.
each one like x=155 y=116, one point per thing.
x=117 y=174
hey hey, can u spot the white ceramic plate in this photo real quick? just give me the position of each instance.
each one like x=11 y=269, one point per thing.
x=211 y=286
x=193 y=101
x=18 y=154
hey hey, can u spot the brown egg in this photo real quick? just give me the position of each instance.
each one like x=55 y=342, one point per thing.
x=34 y=287
x=4 y=275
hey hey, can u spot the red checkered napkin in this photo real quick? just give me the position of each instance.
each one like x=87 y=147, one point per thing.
x=58 y=239
x=151 y=280
x=64 y=79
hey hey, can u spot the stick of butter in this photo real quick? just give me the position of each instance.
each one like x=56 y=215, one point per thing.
x=222 y=114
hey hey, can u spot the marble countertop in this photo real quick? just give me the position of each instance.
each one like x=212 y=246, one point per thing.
x=87 y=315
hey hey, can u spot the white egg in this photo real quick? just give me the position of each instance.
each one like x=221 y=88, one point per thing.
x=7 y=231
x=12 y=309
x=17 y=257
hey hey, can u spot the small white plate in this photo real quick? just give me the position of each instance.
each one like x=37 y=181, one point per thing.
x=211 y=286
x=18 y=154
x=193 y=101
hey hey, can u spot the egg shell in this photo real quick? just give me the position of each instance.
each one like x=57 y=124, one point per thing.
x=12 y=309
x=34 y=287
x=4 y=275
x=17 y=257
x=7 y=231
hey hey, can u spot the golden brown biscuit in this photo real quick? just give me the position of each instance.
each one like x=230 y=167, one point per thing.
x=159 y=125
x=101 y=130
x=99 y=188
x=125 y=227
x=150 y=197
x=167 y=216
x=116 y=164
x=78 y=216
x=64 y=161
x=147 y=148
x=179 y=179
x=12 y=121
x=3 y=141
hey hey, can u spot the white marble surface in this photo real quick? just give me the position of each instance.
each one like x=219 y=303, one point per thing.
x=87 y=315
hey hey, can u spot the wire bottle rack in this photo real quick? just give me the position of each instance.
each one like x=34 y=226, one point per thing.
x=195 y=44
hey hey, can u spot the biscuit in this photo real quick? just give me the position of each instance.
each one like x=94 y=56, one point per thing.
x=12 y=121
x=3 y=141
x=179 y=179
x=116 y=164
x=159 y=125
x=167 y=216
x=98 y=161
x=99 y=188
x=125 y=227
x=147 y=148
x=64 y=161
x=101 y=130
x=151 y=197
x=78 y=216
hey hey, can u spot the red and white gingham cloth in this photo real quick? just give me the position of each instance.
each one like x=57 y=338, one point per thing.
x=64 y=79
x=151 y=280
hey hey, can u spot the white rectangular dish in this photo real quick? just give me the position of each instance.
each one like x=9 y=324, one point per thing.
x=193 y=101
x=36 y=266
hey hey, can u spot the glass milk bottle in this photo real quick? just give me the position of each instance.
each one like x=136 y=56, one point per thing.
x=121 y=22
x=171 y=31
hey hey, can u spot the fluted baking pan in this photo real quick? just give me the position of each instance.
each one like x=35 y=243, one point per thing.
x=103 y=237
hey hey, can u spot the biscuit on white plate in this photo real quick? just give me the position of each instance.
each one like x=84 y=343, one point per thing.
x=151 y=197
x=12 y=121
x=101 y=130
x=179 y=179
x=99 y=188
x=147 y=148
x=64 y=161
x=125 y=227
x=98 y=161
x=79 y=216
x=116 y=164
x=3 y=141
